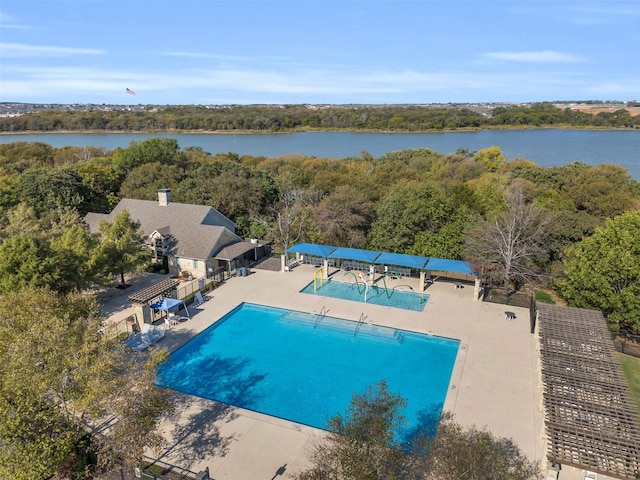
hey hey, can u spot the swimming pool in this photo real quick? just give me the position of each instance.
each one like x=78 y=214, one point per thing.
x=303 y=368
x=376 y=294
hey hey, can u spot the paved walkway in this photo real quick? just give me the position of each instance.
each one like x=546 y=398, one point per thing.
x=495 y=381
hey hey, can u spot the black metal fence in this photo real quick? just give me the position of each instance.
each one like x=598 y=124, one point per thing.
x=515 y=299
x=626 y=343
x=523 y=300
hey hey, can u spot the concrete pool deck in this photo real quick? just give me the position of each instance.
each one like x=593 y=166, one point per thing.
x=495 y=381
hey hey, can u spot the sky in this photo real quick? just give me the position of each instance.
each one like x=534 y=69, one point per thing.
x=221 y=52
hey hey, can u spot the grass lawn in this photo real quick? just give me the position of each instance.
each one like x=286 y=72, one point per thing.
x=631 y=367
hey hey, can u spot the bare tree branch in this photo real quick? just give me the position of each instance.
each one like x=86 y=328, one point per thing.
x=289 y=216
x=507 y=247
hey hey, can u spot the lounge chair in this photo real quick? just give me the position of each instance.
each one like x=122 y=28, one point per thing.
x=150 y=334
x=199 y=299
x=170 y=320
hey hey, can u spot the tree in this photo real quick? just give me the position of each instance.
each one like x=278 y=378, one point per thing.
x=603 y=190
x=469 y=453
x=343 y=218
x=508 y=246
x=448 y=242
x=226 y=185
x=57 y=251
x=48 y=189
x=406 y=212
x=492 y=158
x=361 y=445
x=58 y=378
x=21 y=218
x=602 y=271
x=144 y=181
x=18 y=157
x=161 y=150
x=71 y=155
x=25 y=260
x=289 y=216
x=75 y=250
x=122 y=246
x=99 y=176
x=488 y=194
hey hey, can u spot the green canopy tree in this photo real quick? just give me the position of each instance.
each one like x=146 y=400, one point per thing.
x=602 y=271
x=47 y=189
x=491 y=157
x=448 y=242
x=230 y=187
x=144 y=181
x=76 y=255
x=343 y=217
x=26 y=260
x=122 y=249
x=99 y=176
x=406 y=212
x=18 y=157
x=8 y=196
x=59 y=378
x=161 y=150
x=362 y=444
x=56 y=250
x=456 y=452
x=603 y=190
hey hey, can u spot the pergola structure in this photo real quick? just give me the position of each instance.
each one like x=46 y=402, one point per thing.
x=153 y=292
x=591 y=420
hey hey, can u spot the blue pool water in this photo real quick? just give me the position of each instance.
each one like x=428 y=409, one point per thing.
x=287 y=364
x=376 y=294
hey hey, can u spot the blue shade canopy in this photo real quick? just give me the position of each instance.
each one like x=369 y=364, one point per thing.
x=444 y=265
x=312 y=249
x=367 y=256
x=402 y=260
x=166 y=304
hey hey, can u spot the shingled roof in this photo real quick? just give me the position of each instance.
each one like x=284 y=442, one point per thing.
x=197 y=230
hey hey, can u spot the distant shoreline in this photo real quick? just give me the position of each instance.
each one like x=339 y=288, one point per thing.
x=310 y=130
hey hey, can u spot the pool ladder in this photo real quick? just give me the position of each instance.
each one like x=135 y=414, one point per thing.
x=361 y=320
x=321 y=315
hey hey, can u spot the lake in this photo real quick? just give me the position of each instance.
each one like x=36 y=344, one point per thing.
x=546 y=147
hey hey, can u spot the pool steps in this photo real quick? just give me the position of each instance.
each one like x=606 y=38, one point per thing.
x=339 y=325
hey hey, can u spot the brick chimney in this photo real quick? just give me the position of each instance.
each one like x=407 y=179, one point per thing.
x=164 y=197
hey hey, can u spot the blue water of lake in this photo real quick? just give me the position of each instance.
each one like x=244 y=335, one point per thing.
x=546 y=147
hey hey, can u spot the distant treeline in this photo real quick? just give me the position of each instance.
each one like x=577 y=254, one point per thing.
x=282 y=118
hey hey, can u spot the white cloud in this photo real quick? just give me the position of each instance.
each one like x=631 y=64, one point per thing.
x=209 y=56
x=250 y=81
x=605 y=13
x=544 y=56
x=21 y=50
x=7 y=22
x=631 y=88
x=256 y=85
